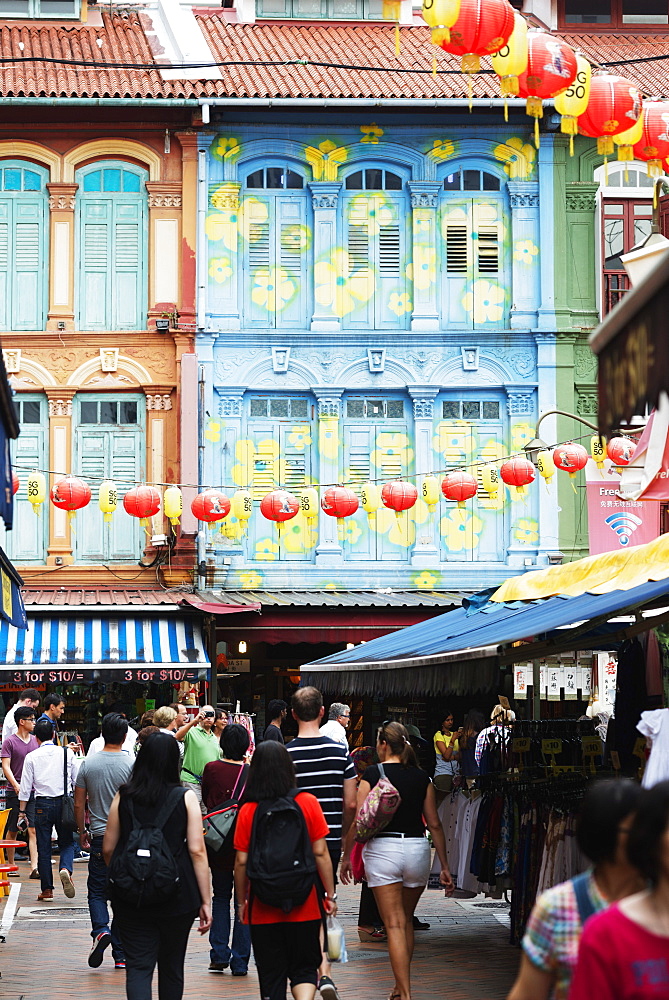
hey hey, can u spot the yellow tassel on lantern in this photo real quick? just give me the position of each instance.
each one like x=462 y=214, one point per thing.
x=241 y=505
x=36 y=490
x=626 y=141
x=309 y=504
x=598 y=450
x=430 y=492
x=173 y=504
x=490 y=480
x=441 y=15
x=108 y=499
x=546 y=465
x=390 y=11
x=574 y=101
x=370 y=499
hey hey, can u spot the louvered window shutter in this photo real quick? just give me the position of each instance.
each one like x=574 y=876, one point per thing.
x=488 y=239
x=96 y=258
x=30 y=269
x=265 y=470
x=27 y=540
x=295 y=471
x=5 y=273
x=457 y=268
x=359 y=443
x=259 y=241
x=291 y=257
x=360 y=277
x=392 y=309
x=129 y=304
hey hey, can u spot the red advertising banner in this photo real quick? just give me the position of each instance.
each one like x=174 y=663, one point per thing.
x=614 y=523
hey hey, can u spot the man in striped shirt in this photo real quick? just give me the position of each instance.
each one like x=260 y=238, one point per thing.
x=325 y=769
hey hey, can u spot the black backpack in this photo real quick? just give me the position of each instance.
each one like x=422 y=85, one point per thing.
x=145 y=872
x=281 y=866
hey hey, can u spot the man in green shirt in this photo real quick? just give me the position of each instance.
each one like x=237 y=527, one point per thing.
x=200 y=748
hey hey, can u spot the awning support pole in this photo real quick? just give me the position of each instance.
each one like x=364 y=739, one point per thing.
x=536 y=689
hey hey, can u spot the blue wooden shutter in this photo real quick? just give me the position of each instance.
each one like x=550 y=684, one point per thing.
x=375 y=241
x=456 y=261
x=294 y=472
x=259 y=239
x=96 y=257
x=494 y=514
x=129 y=309
x=23 y=266
x=358 y=293
x=473 y=264
x=291 y=257
x=26 y=542
x=6 y=220
x=358 y=447
x=275 y=273
x=391 y=309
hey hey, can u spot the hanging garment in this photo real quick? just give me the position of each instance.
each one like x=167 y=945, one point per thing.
x=655 y=727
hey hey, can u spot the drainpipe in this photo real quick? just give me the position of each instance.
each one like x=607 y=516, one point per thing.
x=360 y=102
x=201 y=267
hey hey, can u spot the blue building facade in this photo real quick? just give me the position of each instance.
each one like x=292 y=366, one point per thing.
x=376 y=302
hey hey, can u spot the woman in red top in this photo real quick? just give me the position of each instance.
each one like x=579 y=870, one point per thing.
x=624 y=952
x=286 y=946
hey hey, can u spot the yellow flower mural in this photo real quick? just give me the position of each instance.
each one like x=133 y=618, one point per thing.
x=485 y=301
x=222 y=227
x=351 y=532
x=273 y=288
x=226 y=147
x=299 y=437
x=298 y=535
x=371 y=133
x=395 y=445
x=400 y=303
x=525 y=251
x=423 y=270
x=250 y=580
x=456 y=441
x=521 y=434
x=442 y=149
x=339 y=287
x=518 y=158
x=376 y=211
x=427 y=580
x=325 y=160
x=461 y=530
x=526 y=531
x=250 y=457
x=213 y=431
x=328 y=438
x=220 y=269
x=266 y=550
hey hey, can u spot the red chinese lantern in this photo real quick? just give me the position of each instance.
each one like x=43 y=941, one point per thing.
x=621 y=450
x=551 y=69
x=15 y=483
x=339 y=501
x=460 y=486
x=142 y=502
x=482 y=28
x=399 y=496
x=210 y=506
x=570 y=458
x=517 y=472
x=653 y=147
x=613 y=107
x=279 y=505
x=70 y=494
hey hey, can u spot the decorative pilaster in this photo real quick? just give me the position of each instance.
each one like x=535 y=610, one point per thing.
x=61 y=254
x=156 y=443
x=329 y=550
x=424 y=202
x=219 y=267
x=165 y=207
x=220 y=457
x=525 y=257
x=426 y=548
x=187 y=291
x=324 y=196
x=59 y=548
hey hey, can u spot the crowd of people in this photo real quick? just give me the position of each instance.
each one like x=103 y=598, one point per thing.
x=182 y=825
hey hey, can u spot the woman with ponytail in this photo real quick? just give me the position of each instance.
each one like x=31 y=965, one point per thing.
x=397 y=859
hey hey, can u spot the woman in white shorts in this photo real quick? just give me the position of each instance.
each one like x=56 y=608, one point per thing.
x=397 y=860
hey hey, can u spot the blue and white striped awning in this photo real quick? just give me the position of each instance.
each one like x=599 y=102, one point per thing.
x=107 y=643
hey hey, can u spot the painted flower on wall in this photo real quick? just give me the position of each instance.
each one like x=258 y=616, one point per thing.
x=226 y=147
x=266 y=550
x=521 y=434
x=253 y=459
x=222 y=227
x=442 y=149
x=375 y=212
x=455 y=441
x=250 y=580
x=394 y=447
x=298 y=535
x=526 y=531
x=328 y=438
x=273 y=288
x=427 y=580
x=461 y=530
x=484 y=301
x=325 y=160
x=525 y=251
x=400 y=303
x=220 y=269
x=351 y=531
x=213 y=431
x=300 y=437
x=423 y=270
x=339 y=287
x=518 y=158
x=371 y=133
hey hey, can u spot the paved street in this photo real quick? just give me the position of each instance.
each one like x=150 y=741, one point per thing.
x=464 y=955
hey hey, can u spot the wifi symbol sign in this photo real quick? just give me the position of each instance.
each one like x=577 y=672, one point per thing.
x=624 y=525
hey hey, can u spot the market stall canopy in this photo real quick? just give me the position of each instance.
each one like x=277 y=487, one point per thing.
x=462 y=647
x=86 y=650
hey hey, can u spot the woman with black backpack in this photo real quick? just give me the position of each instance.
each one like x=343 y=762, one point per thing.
x=283 y=874
x=158 y=872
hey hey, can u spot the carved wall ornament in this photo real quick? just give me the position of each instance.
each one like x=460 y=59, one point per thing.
x=61 y=202
x=587 y=403
x=158 y=401
x=12 y=357
x=21 y=383
x=470 y=358
x=225 y=196
x=164 y=201
x=580 y=201
x=524 y=199
x=111 y=380
x=323 y=201
x=423 y=199
x=280 y=359
x=522 y=362
x=109 y=359
x=585 y=364
x=329 y=407
x=230 y=406
x=423 y=408
x=519 y=403
x=376 y=358
x=60 y=407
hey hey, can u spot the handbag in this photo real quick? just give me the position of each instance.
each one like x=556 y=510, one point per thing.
x=219 y=825
x=378 y=809
x=67 y=817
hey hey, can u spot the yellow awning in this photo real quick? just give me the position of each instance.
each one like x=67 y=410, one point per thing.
x=620 y=570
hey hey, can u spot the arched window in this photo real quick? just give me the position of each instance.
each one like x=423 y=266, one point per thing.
x=277 y=239
x=112 y=246
x=475 y=272
x=374 y=286
x=24 y=250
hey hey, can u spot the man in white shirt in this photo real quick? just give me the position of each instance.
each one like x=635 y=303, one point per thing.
x=29 y=698
x=45 y=771
x=98 y=743
x=339 y=718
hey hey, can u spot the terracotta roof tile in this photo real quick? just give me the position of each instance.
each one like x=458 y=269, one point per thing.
x=353 y=45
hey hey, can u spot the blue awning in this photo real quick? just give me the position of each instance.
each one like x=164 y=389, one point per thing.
x=102 y=648
x=475 y=632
